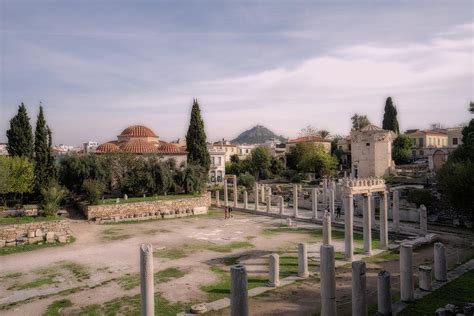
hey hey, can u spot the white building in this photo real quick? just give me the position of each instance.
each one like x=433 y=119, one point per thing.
x=217 y=170
x=227 y=147
x=244 y=151
x=90 y=147
x=3 y=150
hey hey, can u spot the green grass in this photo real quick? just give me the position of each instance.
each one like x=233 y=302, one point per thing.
x=79 y=271
x=221 y=288
x=30 y=247
x=189 y=248
x=27 y=219
x=230 y=246
x=171 y=253
x=114 y=233
x=36 y=283
x=289 y=266
x=14 y=275
x=149 y=198
x=456 y=292
x=54 y=308
x=132 y=280
x=383 y=257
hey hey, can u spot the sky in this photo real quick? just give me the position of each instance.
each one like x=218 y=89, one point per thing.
x=100 y=66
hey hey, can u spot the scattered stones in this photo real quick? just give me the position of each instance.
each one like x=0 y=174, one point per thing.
x=198 y=309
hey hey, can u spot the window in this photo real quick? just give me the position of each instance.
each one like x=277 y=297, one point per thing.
x=349 y=147
x=429 y=141
x=420 y=142
x=455 y=140
x=367 y=144
x=438 y=141
x=220 y=161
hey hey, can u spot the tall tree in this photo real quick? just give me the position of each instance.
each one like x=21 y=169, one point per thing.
x=390 y=122
x=20 y=135
x=43 y=160
x=401 y=149
x=359 y=122
x=323 y=133
x=196 y=140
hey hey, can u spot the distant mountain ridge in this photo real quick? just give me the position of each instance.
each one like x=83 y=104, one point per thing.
x=256 y=135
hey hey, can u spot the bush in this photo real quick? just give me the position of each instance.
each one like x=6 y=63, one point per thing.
x=421 y=196
x=52 y=197
x=194 y=179
x=247 y=180
x=93 y=190
x=296 y=178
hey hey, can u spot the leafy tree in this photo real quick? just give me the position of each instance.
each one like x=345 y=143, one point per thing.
x=52 y=197
x=20 y=135
x=401 y=149
x=194 y=179
x=308 y=131
x=260 y=161
x=93 y=190
x=44 y=167
x=359 y=122
x=234 y=159
x=422 y=196
x=196 y=140
x=19 y=175
x=390 y=122
x=306 y=157
x=246 y=180
x=323 y=133
x=163 y=176
x=138 y=179
x=73 y=170
x=277 y=165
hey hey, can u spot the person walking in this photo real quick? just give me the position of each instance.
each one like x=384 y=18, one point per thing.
x=338 y=212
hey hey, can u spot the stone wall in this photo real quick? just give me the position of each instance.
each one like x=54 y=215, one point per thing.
x=148 y=210
x=35 y=232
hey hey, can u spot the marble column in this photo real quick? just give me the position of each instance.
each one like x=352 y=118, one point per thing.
x=383 y=220
x=384 y=296
x=269 y=192
x=302 y=261
x=269 y=204
x=359 y=289
x=348 y=227
x=424 y=278
x=282 y=205
x=274 y=270
x=440 y=263
x=246 y=200
x=325 y=191
x=423 y=220
x=327 y=238
x=226 y=197
x=218 y=199
x=367 y=225
x=256 y=196
x=331 y=203
x=372 y=209
x=396 y=211
x=262 y=193
x=328 y=281
x=236 y=190
x=406 y=273
x=147 y=286
x=295 y=200
x=238 y=291
x=314 y=202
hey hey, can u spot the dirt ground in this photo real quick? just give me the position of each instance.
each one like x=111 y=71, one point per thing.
x=87 y=271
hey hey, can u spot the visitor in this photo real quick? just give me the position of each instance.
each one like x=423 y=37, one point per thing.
x=338 y=212
x=230 y=213
x=226 y=212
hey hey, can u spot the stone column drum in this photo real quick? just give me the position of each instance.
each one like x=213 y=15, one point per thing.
x=328 y=281
x=396 y=211
x=303 y=261
x=348 y=228
x=440 y=263
x=327 y=238
x=314 y=202
x=236 y=190
x=367 y=225
x=246 y=200
x=238 y=291
x=383 y=221
x=146 y=280
x=218 y=199
x=406 y=273
x=274 y=270
x=295 y=200
x=269 y=204
x=359 y=289
x=226 y=193
x=331 y=203
x=384 y=297
x=424 y=278
x=282 y=205
x=256 y=196
x=262 y=195
x=423 y=220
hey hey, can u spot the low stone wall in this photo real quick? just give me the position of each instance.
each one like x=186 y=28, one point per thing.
x=148 y=210
x=35 y=232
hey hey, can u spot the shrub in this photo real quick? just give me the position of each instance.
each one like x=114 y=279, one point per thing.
x=421 y=196
x=296 y=178
x=247 y=180
x=93 y=190
x=52 y=197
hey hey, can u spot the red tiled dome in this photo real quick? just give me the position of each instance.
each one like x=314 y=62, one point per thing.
x=138 y=146
x=138 y=131
x=167 y=148
x=107 y=148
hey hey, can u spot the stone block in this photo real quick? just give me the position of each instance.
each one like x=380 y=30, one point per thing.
x=39 y=233
x=10 y=243
x=35 y=240
x=31 y=234
x=200 y=210
x=62 y=239
x=50 y=237
x=2 y=243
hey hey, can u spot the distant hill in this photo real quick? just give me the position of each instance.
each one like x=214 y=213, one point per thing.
x=256 y=135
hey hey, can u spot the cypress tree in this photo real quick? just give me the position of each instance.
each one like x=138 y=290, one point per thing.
x=20 y=135
x=196 y=139
x=44 y=164
x=390 y=121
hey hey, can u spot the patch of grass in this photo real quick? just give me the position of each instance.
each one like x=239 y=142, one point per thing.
x=14 y=275
x=149 y=198
x=230 y=246
x=230 y=261
x=456 y=292
x=36 y=283
x=10 y=220
x=171 y=253
x=221 y=288
x=339 y=255
x=250 y=237
x=79 y=271
x=129 y=281
x=23 y=248
x=132 y=280
x=289 y=266
x=110 y=234
x=54 y=309
x=383 y=257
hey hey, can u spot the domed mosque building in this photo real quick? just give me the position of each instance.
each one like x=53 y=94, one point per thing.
x=141 y=140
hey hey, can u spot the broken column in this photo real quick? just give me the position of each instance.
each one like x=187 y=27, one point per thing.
x=269 y=204
x=424 y=278
x=384 y=297
x=359 y=289
x=302 y=261
x=440 y=264
x=236 y=190
x=256 y=196
x=226 y=198
x=367 y=225
x=147 y=285
x=423 y=220
x=328 y=281
x=218 y=199
x=327 y=239
x=406 y=273
x=383 y=221
x=246 y=200
x=274 y=270
x=396 y=211
x=295 y=200
x=238 y=291
x=348 y=227
x=282 y=205
x=314 y=202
